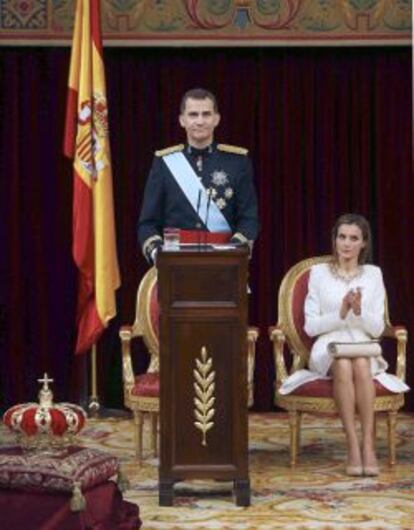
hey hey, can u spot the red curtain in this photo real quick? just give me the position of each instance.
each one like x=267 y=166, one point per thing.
x=329 y=131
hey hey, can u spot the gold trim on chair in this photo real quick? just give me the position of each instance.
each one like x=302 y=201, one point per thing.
x=142 y=327
x=143 y=324
x=286 y=317
x=286 y=333
x=252 y=336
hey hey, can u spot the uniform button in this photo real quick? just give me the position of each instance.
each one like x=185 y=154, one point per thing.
x=198 y=225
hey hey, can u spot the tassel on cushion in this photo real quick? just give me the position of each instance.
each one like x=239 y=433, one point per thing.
x=77 y=502
x=123 y=482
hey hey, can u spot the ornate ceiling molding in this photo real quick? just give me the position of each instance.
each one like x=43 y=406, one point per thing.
x=215 y=22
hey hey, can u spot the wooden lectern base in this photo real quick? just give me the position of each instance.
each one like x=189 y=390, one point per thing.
x=241 y=490
x=203 y=369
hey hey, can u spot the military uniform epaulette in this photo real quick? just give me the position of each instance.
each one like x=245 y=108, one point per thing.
x=169 y=150
x=232 y=149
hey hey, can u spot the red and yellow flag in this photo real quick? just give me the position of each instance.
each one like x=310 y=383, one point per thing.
x=86 y=141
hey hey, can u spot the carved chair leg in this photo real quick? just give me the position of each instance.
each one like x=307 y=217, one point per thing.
x=293 y=421
x=250 y=371
x=138 y=419
x=392 y=422
x=249 y=394
x=154 y=432
x=298 y=431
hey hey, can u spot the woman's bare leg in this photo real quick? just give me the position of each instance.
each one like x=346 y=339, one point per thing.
x=365 y=397
x=344 y=395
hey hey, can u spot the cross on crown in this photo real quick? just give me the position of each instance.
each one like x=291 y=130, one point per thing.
x=45 y=381
x=45 y=394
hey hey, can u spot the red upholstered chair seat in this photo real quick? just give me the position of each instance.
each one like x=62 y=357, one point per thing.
x=322 y=388
x=147 y=385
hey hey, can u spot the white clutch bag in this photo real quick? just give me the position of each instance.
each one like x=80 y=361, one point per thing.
x=369 y=348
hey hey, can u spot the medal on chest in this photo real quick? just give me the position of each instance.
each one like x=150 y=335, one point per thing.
x=221 y=191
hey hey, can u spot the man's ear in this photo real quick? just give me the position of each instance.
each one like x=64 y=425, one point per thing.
x=181 y=120
x=217 y=119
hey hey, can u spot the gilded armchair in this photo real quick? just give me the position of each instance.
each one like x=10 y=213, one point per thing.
x=316 y=396
x=141 y=392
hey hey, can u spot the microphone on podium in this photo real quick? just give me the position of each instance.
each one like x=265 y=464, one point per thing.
x=198 y=212
x=207 y=212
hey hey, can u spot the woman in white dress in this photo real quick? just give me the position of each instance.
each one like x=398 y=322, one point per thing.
x=345 y=303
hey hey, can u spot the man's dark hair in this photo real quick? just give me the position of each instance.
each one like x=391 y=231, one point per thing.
x=198 y=93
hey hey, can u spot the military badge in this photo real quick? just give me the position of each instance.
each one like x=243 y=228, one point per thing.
x=219 y=178
x=228 y=193
x=221 y=203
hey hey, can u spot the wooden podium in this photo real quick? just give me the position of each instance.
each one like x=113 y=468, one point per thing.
x=203 y=368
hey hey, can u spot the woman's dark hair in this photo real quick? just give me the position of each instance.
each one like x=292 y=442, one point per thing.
x=359 y=220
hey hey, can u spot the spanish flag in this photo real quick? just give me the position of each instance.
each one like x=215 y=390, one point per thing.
x=86 y=141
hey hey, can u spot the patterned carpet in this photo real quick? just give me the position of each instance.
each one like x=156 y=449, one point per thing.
x=317 y=495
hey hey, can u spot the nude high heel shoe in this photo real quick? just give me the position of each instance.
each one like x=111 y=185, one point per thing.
x=371 y=471
x=354 y=471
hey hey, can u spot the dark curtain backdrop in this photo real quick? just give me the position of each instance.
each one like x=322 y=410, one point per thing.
x=329 y=130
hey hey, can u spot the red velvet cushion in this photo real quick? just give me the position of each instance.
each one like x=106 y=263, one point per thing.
x=300 y=290
x=39 y=471
x=323 y=388
x=147 y=385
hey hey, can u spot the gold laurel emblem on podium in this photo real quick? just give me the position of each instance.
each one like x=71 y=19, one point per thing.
x=204 y=399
